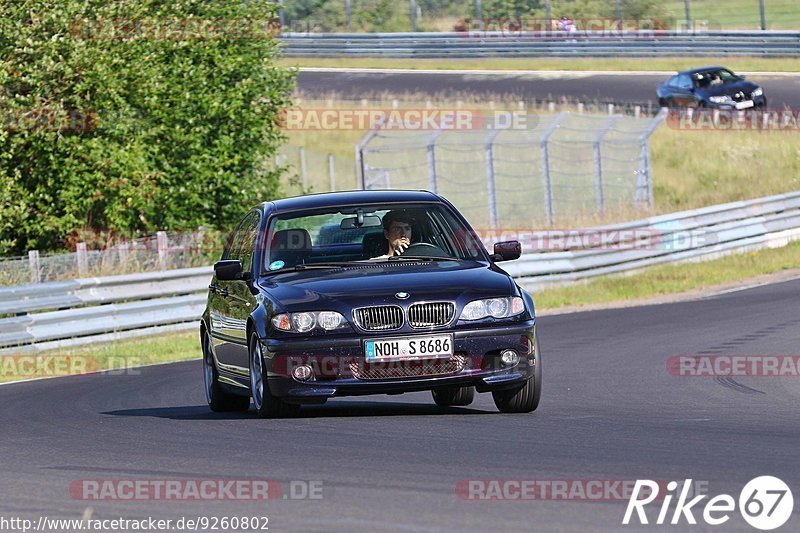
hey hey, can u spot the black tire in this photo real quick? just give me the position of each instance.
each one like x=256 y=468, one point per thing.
x=662 y=102
x=219 y=400
x=453 y=396
x=524 y=399
x=267 y=405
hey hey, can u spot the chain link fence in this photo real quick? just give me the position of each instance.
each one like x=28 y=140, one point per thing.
x=152 y=253
x=560 y=167
x=310 y=170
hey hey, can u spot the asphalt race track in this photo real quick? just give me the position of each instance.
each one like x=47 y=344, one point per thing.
x=781 y=91
x=610 y=411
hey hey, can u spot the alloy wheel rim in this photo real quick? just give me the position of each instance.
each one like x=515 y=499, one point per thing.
x=256 y=377
x=208 y=370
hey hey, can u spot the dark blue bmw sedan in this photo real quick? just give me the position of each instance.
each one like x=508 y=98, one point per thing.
x=365 y=292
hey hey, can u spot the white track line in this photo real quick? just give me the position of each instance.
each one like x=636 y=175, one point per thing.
x=547 y=73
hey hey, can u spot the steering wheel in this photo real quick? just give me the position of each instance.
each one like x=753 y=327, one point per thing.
x=424 y=249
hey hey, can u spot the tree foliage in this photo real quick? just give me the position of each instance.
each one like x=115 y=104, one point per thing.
x=134 y=116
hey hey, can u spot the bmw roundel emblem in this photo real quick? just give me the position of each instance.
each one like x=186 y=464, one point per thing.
x=401 y=295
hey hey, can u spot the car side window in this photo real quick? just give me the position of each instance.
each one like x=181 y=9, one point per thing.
x=685 y=81
x=234 y=250
x=673 y=81
x=249 y=231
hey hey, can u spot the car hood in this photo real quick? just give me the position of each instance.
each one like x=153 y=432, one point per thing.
x=730 y=89
x=376 y=284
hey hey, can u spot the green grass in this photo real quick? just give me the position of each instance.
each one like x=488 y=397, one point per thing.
x=738 y=64
x=738 y=14
x=115 y=355
x=671 y=279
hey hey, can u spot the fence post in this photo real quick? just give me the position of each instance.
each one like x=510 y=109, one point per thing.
x=82 y=258
x=35 y=266
x=331 y=172
x=763 y=15
x=163 y=250
x=644 y=185
x=432 y=179
x=412 y=6
x=548 y=186
x=688 y=15
x=598 y=164
x=361 y=149
x=124 y=248
x=490 y=181
x=303 y=177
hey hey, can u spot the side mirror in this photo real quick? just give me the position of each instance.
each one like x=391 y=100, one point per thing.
x=228 y=270
x=507 y=251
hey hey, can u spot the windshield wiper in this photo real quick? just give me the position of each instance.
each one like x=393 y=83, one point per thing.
x=419 y=258
x=309 y=266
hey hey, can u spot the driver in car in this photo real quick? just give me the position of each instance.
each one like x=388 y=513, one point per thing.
x=397 y=230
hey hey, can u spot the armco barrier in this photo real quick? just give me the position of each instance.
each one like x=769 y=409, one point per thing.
x=584 y=44
x=72 y=312
x=47 y=315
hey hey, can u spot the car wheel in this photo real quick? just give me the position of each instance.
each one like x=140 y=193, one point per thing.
x=524 y=399
x=453 y=396
x=267 y=405
x=219 y=400
x=662 y=102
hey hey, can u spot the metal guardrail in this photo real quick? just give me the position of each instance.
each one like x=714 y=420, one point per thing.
x=691 y=235
x=74 y=311
x=35 y=317
x=553 y=44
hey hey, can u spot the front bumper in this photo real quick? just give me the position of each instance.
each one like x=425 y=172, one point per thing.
x=339 y=365
x=759 y=102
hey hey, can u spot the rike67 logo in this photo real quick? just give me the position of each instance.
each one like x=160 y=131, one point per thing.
x=765 y=503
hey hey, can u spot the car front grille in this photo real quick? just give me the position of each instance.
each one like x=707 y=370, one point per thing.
x=379 y=318
x=428 y=315
x=408 y=368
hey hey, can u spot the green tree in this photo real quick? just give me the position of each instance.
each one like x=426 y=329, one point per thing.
x=134 y=115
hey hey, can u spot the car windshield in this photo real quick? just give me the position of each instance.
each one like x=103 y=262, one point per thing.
x=710 y=78
x=355 y=233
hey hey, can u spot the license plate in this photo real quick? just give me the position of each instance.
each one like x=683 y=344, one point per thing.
x=744 y=105
x=408 y=347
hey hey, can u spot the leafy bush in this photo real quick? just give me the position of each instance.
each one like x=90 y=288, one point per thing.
x=134 y=116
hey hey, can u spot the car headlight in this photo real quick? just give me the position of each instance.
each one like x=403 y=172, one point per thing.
x=720 y=99
x=758 y=92
x=307 y=321
x=493 y=307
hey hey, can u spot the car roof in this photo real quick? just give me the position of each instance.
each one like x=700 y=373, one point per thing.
x=702 y=69
x=336 y=199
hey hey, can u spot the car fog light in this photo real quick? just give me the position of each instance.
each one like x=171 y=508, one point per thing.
x=302 y=373
x=509 y=357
